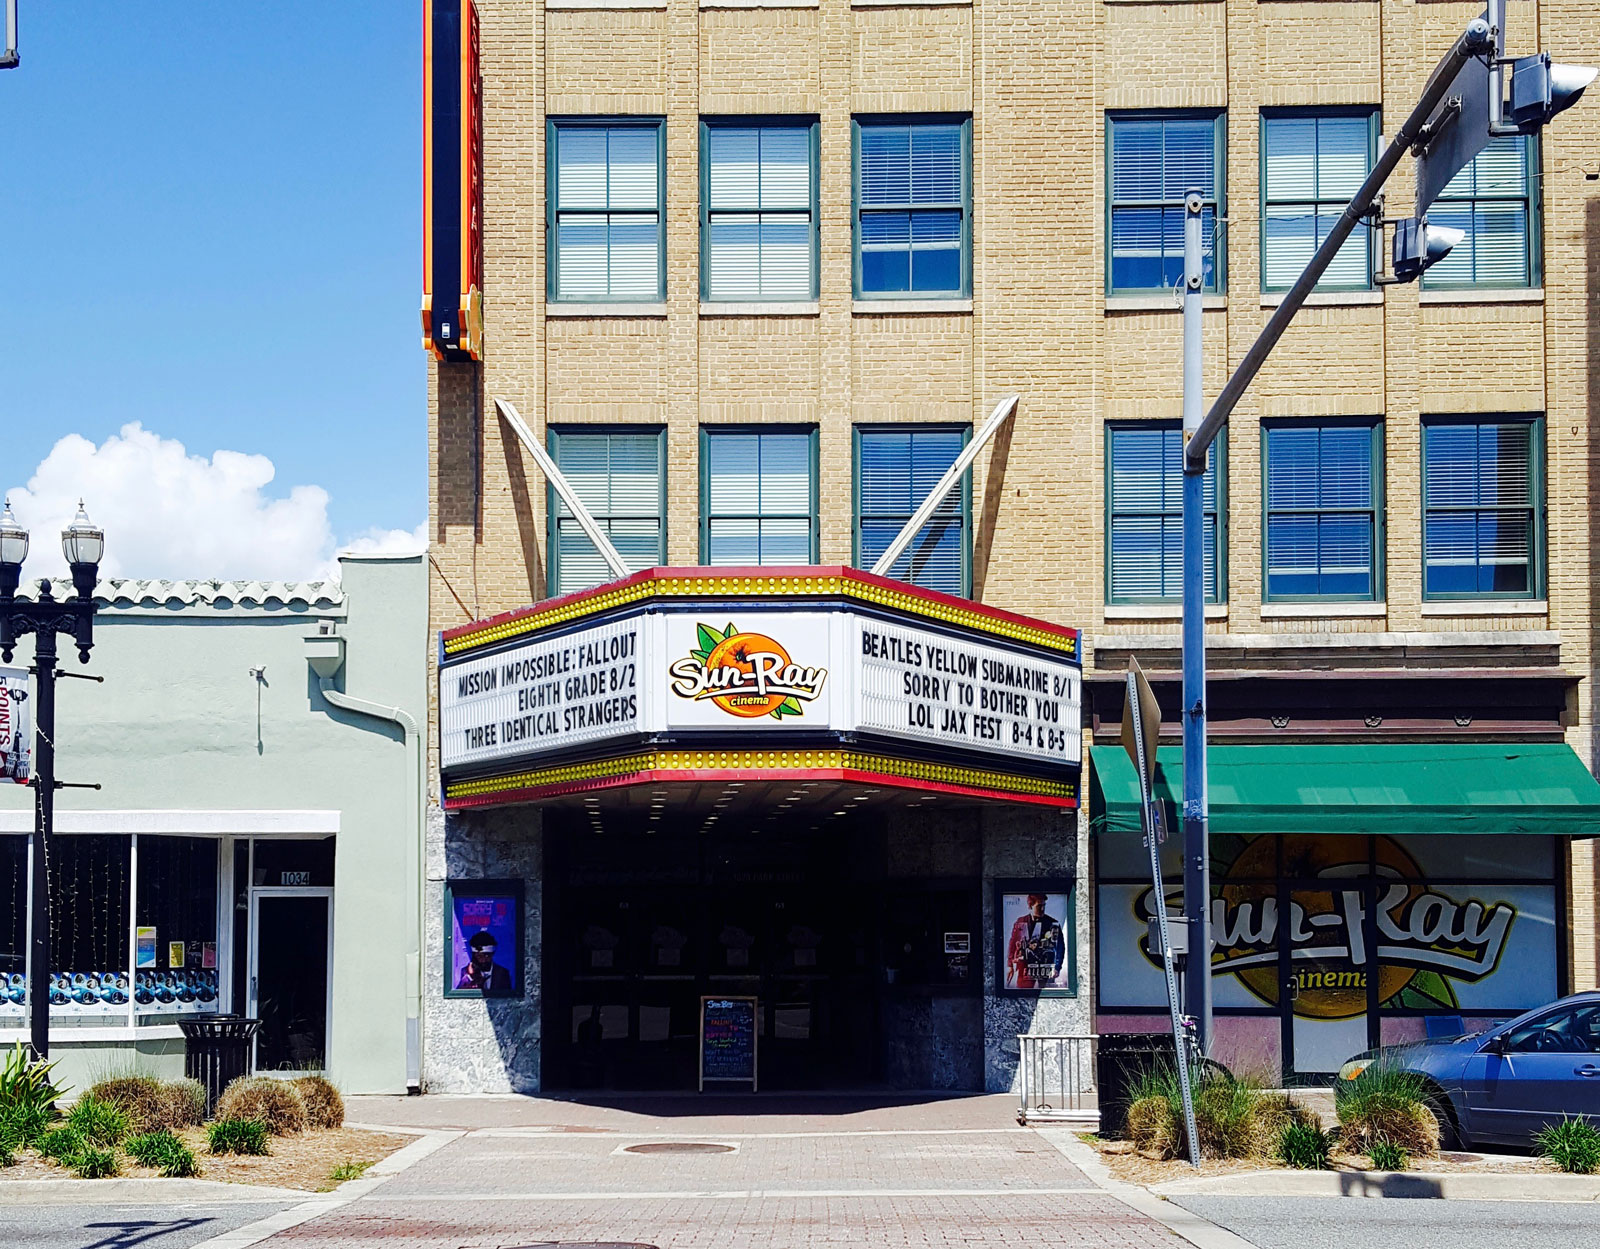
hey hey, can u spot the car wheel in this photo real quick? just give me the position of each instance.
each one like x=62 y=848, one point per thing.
x=1449 y=1134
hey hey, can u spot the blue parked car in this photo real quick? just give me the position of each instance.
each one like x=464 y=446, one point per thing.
x=1503 y=1085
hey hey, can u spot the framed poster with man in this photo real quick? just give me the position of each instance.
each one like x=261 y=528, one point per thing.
x=483 y=950
x=1035 y=938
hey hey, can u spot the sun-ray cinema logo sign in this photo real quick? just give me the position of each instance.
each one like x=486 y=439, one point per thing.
x=1420 y=937
x=746 y=674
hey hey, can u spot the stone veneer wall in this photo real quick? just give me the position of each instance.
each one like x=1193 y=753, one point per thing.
x=488 y=1045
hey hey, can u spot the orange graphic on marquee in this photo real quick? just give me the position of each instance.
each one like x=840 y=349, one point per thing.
x=749 y=675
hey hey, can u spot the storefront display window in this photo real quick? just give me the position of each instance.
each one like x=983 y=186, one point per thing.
x=930 y=939
x=89 y=882
x=176 y=967
x=13 y=928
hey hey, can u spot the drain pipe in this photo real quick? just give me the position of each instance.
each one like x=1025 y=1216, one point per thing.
x=325 y=653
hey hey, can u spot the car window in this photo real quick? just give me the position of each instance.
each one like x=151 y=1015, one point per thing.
x=1571 y=1030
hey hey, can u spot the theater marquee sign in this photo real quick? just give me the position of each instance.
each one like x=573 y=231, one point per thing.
x=695 y=671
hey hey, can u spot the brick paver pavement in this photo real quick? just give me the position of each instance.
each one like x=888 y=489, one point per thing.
x=800 y=1173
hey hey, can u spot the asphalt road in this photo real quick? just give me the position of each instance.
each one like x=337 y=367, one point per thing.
x=144 y=1226
x=1370 y=1223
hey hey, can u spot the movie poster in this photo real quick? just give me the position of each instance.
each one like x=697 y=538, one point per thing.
x=1034 y=944
x=484 y=926
x=16 y=738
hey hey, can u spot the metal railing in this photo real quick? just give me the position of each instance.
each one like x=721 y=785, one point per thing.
x=1056 y=1078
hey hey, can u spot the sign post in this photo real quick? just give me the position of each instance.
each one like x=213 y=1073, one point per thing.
x=1141 y=731
x=728 y=1040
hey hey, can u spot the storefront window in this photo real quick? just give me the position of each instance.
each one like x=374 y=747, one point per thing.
x=89 y=881
x=916 y=952
x=13 y=929
x=176 y=957
x=293 y=864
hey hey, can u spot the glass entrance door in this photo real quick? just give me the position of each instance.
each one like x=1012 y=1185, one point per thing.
x=1324 y=963
x=291 y=961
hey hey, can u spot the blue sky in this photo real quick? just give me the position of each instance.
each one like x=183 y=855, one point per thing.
x=210 y=219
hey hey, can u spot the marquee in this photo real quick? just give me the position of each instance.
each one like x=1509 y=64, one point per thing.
x=702 y=674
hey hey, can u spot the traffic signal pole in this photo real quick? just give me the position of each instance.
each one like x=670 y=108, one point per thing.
x=1476 y=40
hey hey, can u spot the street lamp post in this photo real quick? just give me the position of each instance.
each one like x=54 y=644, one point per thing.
x=44 y=617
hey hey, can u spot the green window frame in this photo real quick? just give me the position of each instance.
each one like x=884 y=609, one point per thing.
x=595 y=459
x=1313 y=161
x=1152 y=157
x=1322 y=509
x=780 y=521
x=1144 y=514
x=757 y=227
x=883 y=503
x=919 y=214
x=1483 y=507
x=605 y=217
x=1495 y=199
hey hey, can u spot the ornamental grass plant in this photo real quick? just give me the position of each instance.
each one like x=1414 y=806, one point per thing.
x=236 y=1136
x=1573 y=1145
x=1386 y=1104
x=324 y=1106
x=98 y=1123
x=1234 y=1117
x=138 y=1097
x=182 y=1104
x=275 y=1104
x=1304 y=1146
x=163 y=1151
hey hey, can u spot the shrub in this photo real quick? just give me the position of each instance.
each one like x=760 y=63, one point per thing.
x=182 y=1104
x=1384 y=1104
x=274 y=1103
x=164 y=1151
x=236 y=1136
x=1225 y=1117
x=98 y=1122
x=21 y=1126
x=138 y=1097
x=62 y=1144
x=1387 y=1156
x=27 y=1096
x=1305 y=1146
x=1153 y=1128
x=1573 y=1145
x=96 y=1164
x=324 y=1106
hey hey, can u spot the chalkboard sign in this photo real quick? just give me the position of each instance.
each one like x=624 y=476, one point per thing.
x=728 y=1040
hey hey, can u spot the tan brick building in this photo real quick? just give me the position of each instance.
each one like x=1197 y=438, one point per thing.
x=1029 y=256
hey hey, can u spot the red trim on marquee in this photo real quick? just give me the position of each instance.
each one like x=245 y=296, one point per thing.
x=532 y=793
x=668 y=575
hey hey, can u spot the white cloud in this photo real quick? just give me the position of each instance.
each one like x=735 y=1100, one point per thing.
x=170 y=514
x=388 y=541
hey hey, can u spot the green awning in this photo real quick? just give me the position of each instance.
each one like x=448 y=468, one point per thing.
x=1428 y=787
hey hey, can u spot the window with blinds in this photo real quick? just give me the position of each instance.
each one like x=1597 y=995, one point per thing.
x=1322 y=511
x=758 y=503
x=617 y=475
x=895 y=471
x=1153 y=160
x=1494 y=202
x=1311 y=166
x=1483 y=508
x=758 y=211
x=1144 y=522
x=912 y=236
x=607 y=235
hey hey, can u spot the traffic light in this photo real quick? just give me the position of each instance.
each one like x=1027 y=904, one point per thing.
x=1418 y=246
x=1541 y=88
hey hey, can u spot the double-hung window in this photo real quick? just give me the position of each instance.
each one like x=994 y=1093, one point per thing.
x=607 y=229
x=1483 y=508
x=895 y=470
x=1153 y=160
x=1495 y=202
x=1323 y=538
x=1311 y=165
x=913 y=208
x=1144 y=518
x=617 y=475
x=758 y=211
x=758 y=496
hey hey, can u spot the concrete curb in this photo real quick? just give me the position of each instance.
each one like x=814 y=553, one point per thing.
x=351 y=1190
x=1450 y=1186
x=1200 y=1232
x=139 y=1191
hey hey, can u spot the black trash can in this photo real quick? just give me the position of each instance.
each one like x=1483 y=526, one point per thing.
x=1121 y=1058
x=216 y=1051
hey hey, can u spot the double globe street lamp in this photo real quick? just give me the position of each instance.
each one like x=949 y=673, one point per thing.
x=44 y=616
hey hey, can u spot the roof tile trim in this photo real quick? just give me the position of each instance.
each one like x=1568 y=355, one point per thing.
x=130 y=592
